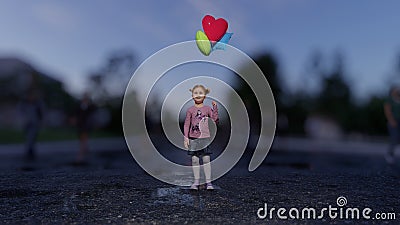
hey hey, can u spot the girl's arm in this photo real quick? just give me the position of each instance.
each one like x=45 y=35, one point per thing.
x=389 y=115
x=186 y=125
x=214 y=112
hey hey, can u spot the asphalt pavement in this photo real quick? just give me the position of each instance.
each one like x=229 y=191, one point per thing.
x=112 y=188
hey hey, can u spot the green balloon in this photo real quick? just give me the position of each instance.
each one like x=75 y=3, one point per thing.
x=203 y=43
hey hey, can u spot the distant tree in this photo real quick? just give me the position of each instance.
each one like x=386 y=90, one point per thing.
x=315 y=71
x=269 y=66
x=302 y=100
x=107 y=85
x=325 y=91
x=335 y=97
x=109 y=82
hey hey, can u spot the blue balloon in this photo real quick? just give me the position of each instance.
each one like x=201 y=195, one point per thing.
x=221 y=44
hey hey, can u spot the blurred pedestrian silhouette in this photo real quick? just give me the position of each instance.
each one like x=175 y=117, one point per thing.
x=83 y=117
x=392 y=113
x=32 y=110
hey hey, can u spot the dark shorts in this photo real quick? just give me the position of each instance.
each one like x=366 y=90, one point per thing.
x=199 y=147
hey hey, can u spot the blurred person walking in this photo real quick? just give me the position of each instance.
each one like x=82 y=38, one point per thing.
x=32 y=110
x=392 y=113
x=84 y=121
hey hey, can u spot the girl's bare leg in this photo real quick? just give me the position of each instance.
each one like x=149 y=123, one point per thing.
x=196 y=172
x=196 y=167
x=207 y=168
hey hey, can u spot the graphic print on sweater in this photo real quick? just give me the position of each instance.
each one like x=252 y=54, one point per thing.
x=200 y=125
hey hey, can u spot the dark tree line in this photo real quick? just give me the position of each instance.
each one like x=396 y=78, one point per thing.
x=331 y=96
x=108 y=83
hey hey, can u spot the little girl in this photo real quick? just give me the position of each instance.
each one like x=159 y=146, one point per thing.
x=197 y=134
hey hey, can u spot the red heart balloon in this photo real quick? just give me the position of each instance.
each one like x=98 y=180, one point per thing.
x=214 y=29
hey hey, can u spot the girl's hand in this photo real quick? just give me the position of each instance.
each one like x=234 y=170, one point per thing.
x=186 y=142
x=214 y=103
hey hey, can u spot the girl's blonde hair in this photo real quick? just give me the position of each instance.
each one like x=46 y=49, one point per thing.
x=206 y=90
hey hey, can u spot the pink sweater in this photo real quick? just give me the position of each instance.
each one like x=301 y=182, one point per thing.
x=196 y=122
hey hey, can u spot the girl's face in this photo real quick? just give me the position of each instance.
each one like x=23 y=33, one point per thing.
x=198 y=95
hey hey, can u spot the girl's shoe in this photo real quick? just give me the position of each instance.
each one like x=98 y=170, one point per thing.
x=209 y=186
x=194 y=187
